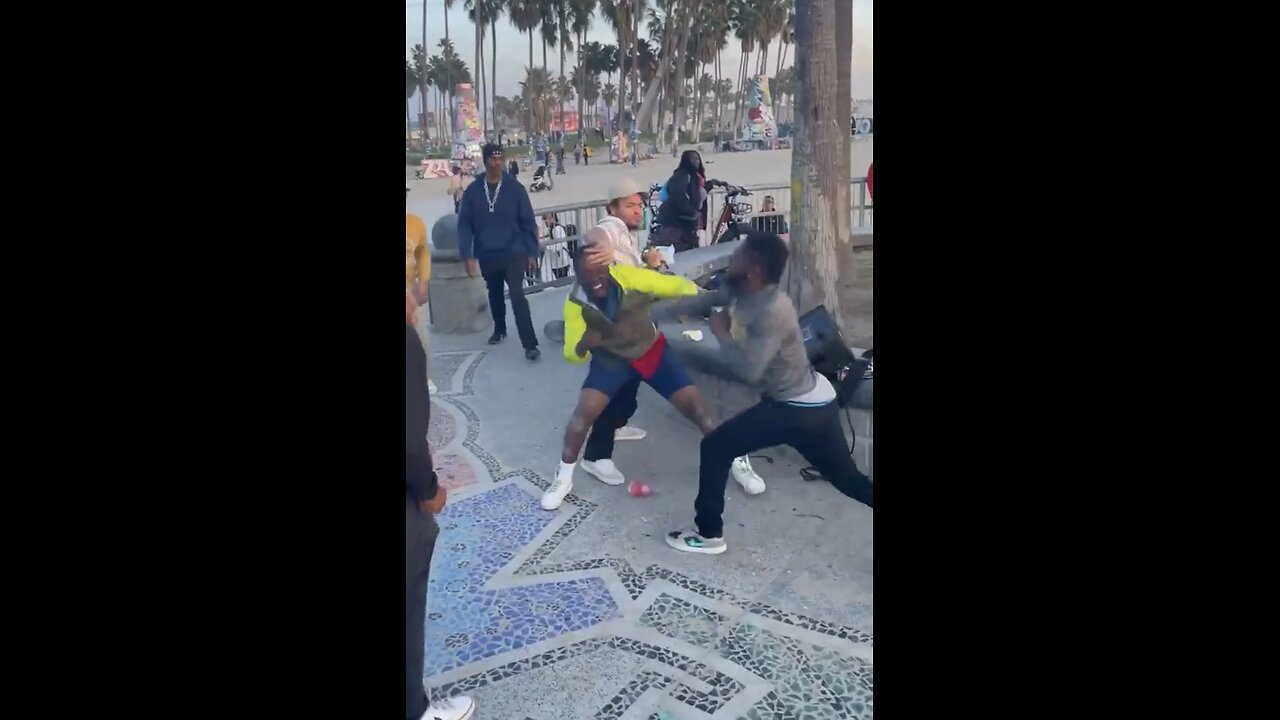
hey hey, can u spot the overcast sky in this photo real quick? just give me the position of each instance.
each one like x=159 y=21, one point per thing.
x=513 y=46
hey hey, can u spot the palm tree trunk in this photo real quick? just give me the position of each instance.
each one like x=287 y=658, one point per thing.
x=448 y=69
x=582 y=84
x=479 y=69
x=823 y=269
x=493 y=91
x=529 y=106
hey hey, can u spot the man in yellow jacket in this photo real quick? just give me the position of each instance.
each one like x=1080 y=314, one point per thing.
x=608 y=322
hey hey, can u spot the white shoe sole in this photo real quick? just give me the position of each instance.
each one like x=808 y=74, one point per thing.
x=590 y=470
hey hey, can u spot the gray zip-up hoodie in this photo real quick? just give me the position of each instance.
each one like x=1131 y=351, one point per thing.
x=764 y=347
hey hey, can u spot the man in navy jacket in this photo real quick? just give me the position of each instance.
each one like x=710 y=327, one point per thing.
x=498 y=238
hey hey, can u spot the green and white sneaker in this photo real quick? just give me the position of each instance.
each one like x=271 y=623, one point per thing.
x=691 y=541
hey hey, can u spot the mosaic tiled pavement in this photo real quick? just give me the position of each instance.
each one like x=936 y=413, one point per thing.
x=602 y=636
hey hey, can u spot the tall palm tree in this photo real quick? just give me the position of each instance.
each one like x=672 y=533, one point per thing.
x=526 y=15
x=547 y=27
x=420 y=71
x=744 y=18
x=609 y=65
x=537 y=88
x=609 y=94
x=623 y=16
x=450 y=79
x=410 y=87
x=564 y=35
x=482 y=14
x=580 y=14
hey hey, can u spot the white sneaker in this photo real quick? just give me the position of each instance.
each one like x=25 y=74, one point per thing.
x=431 y=386
x=554 y=495
x=690 y=541
x=604 y=471
x=461 y=707
x=747 y=477
x=628 y=432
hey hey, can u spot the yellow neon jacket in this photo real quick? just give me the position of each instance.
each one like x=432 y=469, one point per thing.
x=633 y=333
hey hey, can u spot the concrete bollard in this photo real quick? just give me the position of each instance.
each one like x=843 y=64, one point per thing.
x=459 y=304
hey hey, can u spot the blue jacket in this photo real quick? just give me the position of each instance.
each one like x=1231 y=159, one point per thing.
x=510 y=228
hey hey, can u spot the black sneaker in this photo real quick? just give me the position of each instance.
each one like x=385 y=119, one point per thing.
x=533 y=353
x=497 y=337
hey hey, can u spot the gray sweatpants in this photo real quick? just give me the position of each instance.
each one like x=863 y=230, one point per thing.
x=420 y=532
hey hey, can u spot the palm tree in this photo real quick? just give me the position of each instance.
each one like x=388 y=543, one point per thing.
x=564 y=35
x=420 y=71
x=624 y=17
x=580 y=14
x=547 y=27
x=482 y=13
x=445 y=69
x=410 y=87
x=609 y=94
x=450 y=80
x=564 y=93
x=537 y=88
x=526 y=15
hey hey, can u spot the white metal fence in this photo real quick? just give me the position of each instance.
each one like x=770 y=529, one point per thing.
x=555 y=267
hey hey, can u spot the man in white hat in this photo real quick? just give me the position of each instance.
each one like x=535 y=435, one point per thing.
x=613 y=241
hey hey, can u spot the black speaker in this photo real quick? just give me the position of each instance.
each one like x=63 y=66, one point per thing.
x=829 y=354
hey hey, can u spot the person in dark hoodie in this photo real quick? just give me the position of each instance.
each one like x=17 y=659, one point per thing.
x=498 y=238
x=423 y=498
x=686 y=196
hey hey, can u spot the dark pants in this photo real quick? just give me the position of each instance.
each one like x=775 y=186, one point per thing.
x=420 y=531
x=509 y=270
x=814 y=432
x=616 y=414
x=682 y=238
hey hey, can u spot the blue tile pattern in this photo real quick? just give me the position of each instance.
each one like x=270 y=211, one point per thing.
x=480 y=536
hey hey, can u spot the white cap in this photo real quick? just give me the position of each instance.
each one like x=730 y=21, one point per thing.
x=626 y=187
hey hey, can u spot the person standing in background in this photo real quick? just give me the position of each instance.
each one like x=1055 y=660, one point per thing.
x=417 y=271
x=498 y=239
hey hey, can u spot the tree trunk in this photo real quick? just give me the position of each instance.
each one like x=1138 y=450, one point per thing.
x=529 y=105
x=682 y=46
x=448 y=73
x=478 y=68
x=777 y=102
x=635 y=67
x=582 y=83
x=493 y=91
x=822 y=269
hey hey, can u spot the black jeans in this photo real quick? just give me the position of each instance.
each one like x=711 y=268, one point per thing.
x=616 y=414
x=682 y=238
x=420 y=543
x=509 y=270
x=814 y=432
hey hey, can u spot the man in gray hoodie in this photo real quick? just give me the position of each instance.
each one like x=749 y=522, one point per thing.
x=761 y=345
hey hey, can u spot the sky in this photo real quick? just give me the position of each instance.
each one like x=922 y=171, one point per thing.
x=513 y=45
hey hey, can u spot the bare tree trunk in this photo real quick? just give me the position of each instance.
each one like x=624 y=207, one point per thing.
x=822 y=269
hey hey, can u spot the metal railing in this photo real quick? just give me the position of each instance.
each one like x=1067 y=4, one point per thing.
x=555 y=267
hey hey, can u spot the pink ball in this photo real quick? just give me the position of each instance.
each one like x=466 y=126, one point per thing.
x=639 y=489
